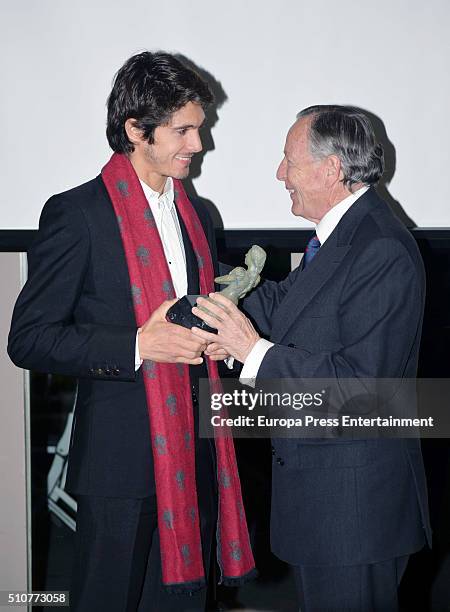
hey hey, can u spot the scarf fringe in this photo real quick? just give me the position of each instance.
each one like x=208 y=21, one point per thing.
x=229 y=581
x=185 y=588
x=189 y=588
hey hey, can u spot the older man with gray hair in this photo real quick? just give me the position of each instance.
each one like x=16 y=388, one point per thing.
x=346 y=513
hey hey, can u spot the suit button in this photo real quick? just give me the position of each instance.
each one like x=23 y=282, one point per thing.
x=194 y=396
x=107 y=372
x=93 y=371
x=273 y=450
x=280 y=461
x=99 y=371
x=116 y=371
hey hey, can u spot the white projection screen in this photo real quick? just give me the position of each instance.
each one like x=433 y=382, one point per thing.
x=390 y=57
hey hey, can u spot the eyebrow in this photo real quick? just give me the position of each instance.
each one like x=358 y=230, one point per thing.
x=186 y=126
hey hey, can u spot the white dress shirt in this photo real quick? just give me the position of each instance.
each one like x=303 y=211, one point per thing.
x=166 y=218
x=323 y=231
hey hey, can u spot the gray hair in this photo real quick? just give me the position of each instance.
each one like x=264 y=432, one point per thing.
x=346 y=132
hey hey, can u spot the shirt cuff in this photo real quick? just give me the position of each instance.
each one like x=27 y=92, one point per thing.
x=254 y=358
x=229 y=362
x=137 y=356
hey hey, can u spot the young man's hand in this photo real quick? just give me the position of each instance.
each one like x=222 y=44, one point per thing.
x=165 y=342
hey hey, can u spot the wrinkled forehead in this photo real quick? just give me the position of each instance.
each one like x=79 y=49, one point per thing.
x=297 y=139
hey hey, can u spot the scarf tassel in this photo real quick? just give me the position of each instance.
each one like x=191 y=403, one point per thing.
x=237 y=581
x=185 y=588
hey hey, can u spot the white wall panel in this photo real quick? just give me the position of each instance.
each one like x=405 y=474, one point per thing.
x=57 y=59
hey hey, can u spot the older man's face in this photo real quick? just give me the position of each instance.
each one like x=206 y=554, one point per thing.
x=303 y=176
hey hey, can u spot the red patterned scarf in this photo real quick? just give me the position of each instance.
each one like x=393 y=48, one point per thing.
x=169 y=400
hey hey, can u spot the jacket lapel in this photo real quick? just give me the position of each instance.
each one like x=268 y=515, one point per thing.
x=308 y=282
x=191 y=260
x=109 y=233
x=322 y=268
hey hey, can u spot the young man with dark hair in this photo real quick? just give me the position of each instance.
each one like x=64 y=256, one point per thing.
x=109 y=259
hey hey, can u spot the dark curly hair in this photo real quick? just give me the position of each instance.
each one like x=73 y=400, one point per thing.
x=149 y=88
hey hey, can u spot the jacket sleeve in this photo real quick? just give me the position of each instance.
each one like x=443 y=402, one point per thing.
x=45 y=336
x=261 y=303
x=379 y=316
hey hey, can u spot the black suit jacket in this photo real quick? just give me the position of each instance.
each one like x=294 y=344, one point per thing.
x=354 y=312
x=75 y=317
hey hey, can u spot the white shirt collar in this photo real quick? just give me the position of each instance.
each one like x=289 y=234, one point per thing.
x=165 y=198
x=330 y=220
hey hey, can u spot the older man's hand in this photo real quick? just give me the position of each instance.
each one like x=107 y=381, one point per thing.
x=215 y=352
x=236 y=335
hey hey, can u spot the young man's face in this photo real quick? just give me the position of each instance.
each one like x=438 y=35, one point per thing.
x=173 y=147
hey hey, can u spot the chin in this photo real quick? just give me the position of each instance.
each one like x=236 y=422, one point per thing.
x=181 y=174
x=296 y=210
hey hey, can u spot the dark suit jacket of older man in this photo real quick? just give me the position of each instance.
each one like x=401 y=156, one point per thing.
x=354 y=312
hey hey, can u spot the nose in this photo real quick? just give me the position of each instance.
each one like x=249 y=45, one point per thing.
x=281 y=172
x=195 y=142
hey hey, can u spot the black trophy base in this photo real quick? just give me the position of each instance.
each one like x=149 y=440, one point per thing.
x=181 y=314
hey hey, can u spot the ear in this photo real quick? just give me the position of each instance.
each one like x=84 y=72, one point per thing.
x=134 y=133
x=333 y=170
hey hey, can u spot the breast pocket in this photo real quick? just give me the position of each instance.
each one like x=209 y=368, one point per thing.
x=319 y=309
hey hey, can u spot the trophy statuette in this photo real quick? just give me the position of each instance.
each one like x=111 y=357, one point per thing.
x=239 y=281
